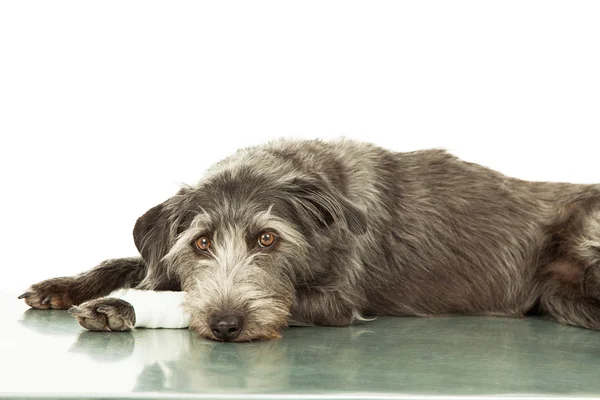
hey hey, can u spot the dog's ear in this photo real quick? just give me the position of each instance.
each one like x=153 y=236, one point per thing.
x=152 y=233
x=325 y=204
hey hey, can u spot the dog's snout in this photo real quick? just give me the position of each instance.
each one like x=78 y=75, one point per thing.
x=226 y=326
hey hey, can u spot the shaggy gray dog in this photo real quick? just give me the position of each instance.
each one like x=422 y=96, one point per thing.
x=329 y=233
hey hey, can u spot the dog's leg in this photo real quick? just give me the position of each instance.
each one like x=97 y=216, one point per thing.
x=591 y=282
x=571 y=289
x=320 y=308
x=62 y=293
x=577 y=311
x=588 y=249
x=125 y=309
x=584 y=246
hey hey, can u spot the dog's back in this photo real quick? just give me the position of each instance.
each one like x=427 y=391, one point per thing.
x=443 y=236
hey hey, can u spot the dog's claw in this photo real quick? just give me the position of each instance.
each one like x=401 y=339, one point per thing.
x=24 y=295
x=47 y=300
x=105 y=314
x=75 y=311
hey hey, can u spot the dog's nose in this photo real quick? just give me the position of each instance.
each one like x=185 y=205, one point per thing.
x=226 y=326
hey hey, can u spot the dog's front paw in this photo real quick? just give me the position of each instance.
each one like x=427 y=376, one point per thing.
x=53 y=293
x=105 y=314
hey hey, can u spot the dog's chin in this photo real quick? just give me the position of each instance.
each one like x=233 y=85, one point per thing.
x=268 y=335
x=259 y=324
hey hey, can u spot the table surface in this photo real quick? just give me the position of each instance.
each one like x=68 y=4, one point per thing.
x=46 y=354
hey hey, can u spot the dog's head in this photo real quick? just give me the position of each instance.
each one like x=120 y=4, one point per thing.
x=241 y=242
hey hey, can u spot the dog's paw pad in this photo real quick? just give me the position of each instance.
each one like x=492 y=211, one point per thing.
x=105 y=314
x=50 y=294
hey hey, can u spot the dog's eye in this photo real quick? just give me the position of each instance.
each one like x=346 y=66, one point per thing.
x=266 y=239
x=202 y=243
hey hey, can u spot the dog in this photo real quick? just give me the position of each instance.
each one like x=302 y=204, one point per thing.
x=333 y=233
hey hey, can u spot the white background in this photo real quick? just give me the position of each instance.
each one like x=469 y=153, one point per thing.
x=105 y=107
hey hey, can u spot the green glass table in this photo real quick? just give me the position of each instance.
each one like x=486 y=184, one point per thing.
x=45 y=354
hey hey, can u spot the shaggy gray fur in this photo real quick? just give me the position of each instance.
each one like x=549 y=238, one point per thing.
x=363 y=231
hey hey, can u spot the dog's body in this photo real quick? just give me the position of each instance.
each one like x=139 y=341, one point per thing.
x=357 y=231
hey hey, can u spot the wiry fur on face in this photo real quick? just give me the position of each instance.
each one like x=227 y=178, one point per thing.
x=232 y=207
x=366 y=231
x=236 y=275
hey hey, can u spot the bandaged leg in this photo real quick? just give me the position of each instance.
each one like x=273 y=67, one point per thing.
x=155 y=309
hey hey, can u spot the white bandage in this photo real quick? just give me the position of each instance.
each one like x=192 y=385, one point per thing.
x=155 y=309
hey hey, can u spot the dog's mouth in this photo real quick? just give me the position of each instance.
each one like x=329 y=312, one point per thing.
x=236 y=326
x=227 y=333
